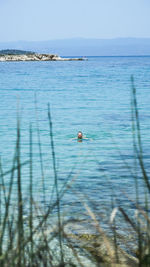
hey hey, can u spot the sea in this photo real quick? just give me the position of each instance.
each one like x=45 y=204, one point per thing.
x=92 y=96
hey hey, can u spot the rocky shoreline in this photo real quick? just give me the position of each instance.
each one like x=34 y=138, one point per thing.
x=35 y=57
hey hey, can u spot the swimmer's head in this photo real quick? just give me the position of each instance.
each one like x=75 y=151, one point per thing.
x=80 y=135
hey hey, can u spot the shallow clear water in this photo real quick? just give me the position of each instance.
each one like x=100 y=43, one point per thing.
x=91 y=96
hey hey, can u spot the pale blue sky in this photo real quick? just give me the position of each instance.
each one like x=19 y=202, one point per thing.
x=35 y=20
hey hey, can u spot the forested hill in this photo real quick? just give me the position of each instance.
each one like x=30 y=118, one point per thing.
x=15 y=52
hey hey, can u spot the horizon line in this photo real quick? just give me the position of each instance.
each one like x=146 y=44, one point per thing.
x=73 y=38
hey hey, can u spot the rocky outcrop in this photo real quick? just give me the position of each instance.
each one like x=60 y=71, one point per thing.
x=35 y=57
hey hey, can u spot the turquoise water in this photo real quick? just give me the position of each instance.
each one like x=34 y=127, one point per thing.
x=91 y=96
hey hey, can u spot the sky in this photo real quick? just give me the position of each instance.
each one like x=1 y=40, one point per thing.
x=39 y=20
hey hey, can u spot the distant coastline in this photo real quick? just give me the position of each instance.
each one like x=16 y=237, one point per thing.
x=78 y=47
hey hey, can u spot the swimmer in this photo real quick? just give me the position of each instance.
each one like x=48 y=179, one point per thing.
x=80 y=137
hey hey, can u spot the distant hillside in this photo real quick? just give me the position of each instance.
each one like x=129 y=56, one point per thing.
x=85 y=47
x=15 y=52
